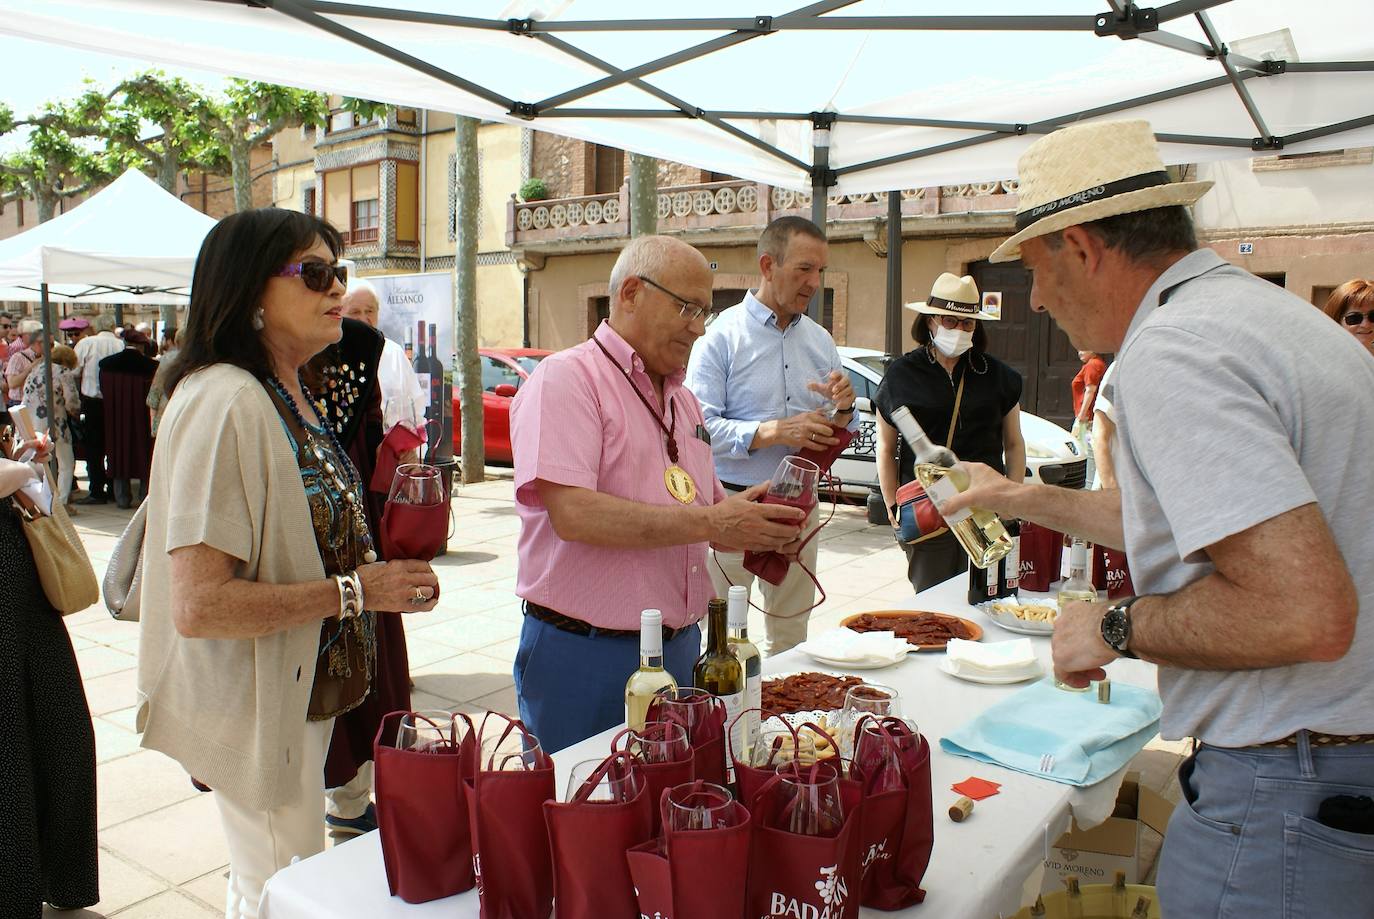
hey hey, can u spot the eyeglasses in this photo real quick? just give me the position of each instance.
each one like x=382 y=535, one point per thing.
x=688 y=310
x=954 y=322
x=318 y=276
x=1353 y=318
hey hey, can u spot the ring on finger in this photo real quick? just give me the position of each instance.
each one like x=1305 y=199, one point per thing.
x=419 y=595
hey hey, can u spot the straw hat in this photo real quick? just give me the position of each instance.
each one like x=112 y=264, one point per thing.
x=951 y=296
x=1088 y=172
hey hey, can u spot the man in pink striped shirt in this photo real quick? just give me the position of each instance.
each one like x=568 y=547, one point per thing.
x=618 y=499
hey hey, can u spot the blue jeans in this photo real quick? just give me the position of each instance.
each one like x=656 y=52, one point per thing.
x=573 y=686
x=1244 y=840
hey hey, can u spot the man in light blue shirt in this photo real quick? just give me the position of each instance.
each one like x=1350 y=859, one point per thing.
x=765 y=375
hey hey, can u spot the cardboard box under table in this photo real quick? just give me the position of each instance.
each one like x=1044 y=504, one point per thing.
x=1095 y=855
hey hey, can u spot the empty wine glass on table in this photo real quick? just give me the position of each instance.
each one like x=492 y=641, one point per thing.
x=872 y=700
x=700 y=806
x=417 y=483
x=429 y=731
x=809 y=799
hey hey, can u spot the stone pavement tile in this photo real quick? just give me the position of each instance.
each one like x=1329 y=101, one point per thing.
x=121 y=885
x=170 y=905
x=106 y=630
x=111 y=692
x=92 y=614
x=463 y=677
x=502 y=700
x=423 y=701
x=467 y=633
x=100 y=660
x=210 y=888
x=80 y=643
x=180 y=843
x=422 y=653
x=466 y=600
x=112 y=741
x=503 y=650
x=124 y=717
x=135 y=785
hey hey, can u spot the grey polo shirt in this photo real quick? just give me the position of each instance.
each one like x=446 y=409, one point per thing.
x=1238 y=402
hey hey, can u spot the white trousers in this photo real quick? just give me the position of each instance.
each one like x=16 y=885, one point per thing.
x=66 y=469
x=350 y=801
x=263 y=842
x=783 y=627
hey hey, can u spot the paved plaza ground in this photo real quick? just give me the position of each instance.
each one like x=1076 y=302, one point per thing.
x=161 y=852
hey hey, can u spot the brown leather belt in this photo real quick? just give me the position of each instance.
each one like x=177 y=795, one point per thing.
x=1317 y=739
x=578 y=627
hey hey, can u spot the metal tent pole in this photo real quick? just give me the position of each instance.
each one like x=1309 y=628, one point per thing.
x=47 y=354
x=894 y=272
x=822 y=179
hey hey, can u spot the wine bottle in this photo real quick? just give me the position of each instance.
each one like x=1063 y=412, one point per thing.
x=421 y=363
x=409 y=345
x=748 y=655
x=435 y=413
x=980 y=532
x=719 y=672
x=1078 y=586
x=650 y=679
x=1002 y=579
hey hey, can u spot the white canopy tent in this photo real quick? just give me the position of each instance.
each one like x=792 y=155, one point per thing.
x=913 y=92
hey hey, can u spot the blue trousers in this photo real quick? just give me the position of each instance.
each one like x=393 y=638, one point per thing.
x=573 y=686
x=1245 y=839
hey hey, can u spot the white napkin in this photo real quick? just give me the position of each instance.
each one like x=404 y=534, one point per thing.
x=989 y=658
x=857 y=647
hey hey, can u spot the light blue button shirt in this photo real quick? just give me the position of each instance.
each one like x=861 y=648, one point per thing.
x=746 y=370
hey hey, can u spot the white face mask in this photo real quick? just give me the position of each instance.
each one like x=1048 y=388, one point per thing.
x=951 y=342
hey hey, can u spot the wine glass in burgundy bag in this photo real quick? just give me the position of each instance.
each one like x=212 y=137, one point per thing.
x=664 y=755
x=608 y=811
x=779 y=742
x=702 y=715
x=415 y=521
x=399 y=441
x=793 y=485
x=898 y=833
x=422 y=811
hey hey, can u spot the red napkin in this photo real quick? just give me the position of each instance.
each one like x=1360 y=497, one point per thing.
x=976 y=788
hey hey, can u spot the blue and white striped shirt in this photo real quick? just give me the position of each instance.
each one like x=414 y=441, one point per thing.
x=746 y=370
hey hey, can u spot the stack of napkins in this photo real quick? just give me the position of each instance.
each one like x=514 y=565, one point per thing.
x=991 y=658
x=845 y=645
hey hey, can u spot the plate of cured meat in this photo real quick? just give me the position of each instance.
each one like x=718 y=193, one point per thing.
x=925 y=630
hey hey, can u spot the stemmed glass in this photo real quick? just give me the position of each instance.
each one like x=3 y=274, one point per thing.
x=684 y=705
x=809 y=799
x=700 y=806
x=794 y=484
x=618 y=785
x=430 y=731
x=660 y=742
x=417 y=483
x=882 y=756
x=510 y=751
x=866 y=699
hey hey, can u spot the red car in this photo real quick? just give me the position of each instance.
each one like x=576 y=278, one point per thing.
x=504 y=370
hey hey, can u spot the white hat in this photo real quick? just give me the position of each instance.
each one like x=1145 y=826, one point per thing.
x=1087 y=172
x=952 y=296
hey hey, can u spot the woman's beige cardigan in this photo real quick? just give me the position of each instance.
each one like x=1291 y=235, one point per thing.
x=231 y=711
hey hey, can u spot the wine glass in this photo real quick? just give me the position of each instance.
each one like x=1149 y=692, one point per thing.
x=700 y=806
x=865 y=700
x=619 y=783
x=683 y=705
x=882 y=755
x=417 y=483
x=660 y=742
x=818 y=398
x=429 y=731
x=510 y=751
x=809 y=799
x=794 y=484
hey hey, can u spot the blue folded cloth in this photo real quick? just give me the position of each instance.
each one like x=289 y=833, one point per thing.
x=1066 y=737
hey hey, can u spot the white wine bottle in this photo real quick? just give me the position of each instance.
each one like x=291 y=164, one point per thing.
x=980 y=532
x=748 y=655
x=719 y=672
x=650 y=679
x=1078 y=586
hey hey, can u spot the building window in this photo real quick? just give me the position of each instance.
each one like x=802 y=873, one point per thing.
x=407 y=203
x=341 y=121
x=405 y=116
x=366 y=214
x=309 y=203
x=608 y=170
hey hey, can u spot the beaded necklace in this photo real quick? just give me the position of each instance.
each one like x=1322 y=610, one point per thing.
x=348 y=484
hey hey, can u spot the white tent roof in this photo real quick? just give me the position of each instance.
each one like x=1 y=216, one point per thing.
x=129 y=242
x=925 y=92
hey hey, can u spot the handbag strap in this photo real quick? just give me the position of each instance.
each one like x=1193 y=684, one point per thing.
x=954 y=417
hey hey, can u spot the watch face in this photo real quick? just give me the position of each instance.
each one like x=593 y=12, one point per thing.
x=1115 y=628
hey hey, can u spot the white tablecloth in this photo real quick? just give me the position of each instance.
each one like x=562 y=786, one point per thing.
x=978 y=867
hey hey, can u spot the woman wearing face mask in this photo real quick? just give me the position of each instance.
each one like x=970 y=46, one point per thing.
x=949 y=365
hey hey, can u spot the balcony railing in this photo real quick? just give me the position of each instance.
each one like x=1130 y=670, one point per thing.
x=736 y=204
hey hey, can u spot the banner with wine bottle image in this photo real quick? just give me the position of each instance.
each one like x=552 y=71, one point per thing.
x=416 y=312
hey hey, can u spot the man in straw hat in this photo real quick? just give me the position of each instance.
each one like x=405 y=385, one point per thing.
x=1244 y=478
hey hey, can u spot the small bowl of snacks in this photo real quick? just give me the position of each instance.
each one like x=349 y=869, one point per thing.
x=1028 y=617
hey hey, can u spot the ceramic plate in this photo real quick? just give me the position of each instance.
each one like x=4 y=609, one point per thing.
x=837 y=664
x=1016 y=624
x=1019 y=676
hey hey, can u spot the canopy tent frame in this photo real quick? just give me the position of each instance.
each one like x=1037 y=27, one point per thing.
x=1123 y=20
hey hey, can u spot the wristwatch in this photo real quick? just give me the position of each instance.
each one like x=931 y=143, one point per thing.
x=1116 y=626
x=845 y=411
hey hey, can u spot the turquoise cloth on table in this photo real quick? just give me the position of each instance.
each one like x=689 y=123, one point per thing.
x=1066 y=737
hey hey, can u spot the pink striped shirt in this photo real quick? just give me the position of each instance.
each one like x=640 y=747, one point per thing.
x=576 y=422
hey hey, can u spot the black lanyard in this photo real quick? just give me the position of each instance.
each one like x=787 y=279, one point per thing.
x=668 y=429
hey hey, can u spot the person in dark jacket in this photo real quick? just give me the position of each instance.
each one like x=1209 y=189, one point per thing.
x=124 y=381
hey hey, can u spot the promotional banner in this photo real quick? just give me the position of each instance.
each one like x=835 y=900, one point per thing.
x=417 y=313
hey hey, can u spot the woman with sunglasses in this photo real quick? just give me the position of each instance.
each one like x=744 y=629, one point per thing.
x=950 y=383
x=260 y=580
x=1352 y=305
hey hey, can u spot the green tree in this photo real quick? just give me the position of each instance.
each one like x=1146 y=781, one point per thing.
x=179 y=110
x=54 y=166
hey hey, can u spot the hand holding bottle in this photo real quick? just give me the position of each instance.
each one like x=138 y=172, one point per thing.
x=987 y=489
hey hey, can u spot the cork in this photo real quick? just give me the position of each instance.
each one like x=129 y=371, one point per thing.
x=1104 y=691
x=961 y=810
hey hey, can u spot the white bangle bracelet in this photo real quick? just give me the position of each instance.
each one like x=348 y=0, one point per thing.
x=350 y=594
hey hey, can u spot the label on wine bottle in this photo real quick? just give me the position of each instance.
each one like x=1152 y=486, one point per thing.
x=940 y=491
x=424 y=388
x=734 y=704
